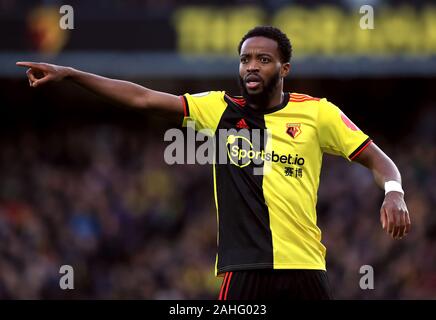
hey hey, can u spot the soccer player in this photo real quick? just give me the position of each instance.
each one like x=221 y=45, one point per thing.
x=269 y=245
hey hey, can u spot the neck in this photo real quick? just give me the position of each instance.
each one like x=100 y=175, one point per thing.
x=275 y=99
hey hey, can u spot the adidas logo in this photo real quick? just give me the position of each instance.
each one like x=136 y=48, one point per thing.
x=242 y=124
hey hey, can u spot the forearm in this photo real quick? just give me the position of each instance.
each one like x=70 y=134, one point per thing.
x=385 y=170
x=394 y=215
x=123 y=92
x=382 y=167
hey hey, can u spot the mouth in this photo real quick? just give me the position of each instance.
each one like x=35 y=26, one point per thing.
x=253 y=81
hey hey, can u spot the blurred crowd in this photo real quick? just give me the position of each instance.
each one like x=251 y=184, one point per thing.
x=101 y=199
x=348 y=211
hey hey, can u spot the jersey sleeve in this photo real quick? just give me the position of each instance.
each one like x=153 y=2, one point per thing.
x=337 y=134
x=204 y=109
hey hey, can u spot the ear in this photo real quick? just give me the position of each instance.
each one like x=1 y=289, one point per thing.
x=284 y=70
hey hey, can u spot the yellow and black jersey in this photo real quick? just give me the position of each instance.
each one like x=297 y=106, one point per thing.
x=268 y=219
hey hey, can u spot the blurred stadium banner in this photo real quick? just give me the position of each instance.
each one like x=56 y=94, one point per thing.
x=201 y=41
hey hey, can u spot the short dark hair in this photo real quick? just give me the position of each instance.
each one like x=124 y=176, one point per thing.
x=283 y=42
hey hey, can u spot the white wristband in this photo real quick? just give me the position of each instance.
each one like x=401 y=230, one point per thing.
x=393 y=186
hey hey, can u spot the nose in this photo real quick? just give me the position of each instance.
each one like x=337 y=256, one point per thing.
x=253 y=66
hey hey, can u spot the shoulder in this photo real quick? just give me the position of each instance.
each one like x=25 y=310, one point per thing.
x=238 y=100
x=206 y=97
x=307 y=100
x=210 y=94
x=301 y=97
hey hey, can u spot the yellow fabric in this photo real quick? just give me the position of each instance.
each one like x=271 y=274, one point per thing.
x=290 y=189
x=205 y=109
x=292 y=199
x=335 y=137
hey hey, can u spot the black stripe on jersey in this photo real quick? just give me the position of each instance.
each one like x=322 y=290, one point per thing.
x=245 y=239
x=359 y=149
x=185 y=106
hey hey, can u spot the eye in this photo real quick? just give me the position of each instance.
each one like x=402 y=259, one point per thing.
x=265 y=60
x=244 y=60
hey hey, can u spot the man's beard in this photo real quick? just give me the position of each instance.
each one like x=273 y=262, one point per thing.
x=262 y=98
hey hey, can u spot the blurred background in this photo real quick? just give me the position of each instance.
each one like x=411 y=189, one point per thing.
x=83 y=182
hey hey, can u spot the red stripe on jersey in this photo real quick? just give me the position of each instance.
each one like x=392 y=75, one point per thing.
x=303 y=100
x=361 y=149
x=185 y=111
x=228 y=285
x=297 y=97
x=222 y=286
x=239 y=101
x=294 y=94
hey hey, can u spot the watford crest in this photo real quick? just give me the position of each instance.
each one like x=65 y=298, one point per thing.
x=293 y=129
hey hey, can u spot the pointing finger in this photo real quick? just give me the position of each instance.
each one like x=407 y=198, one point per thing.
x=27 y=64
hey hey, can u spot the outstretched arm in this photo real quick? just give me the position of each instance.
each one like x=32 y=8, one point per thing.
x=394 y=215
x=123 y=92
